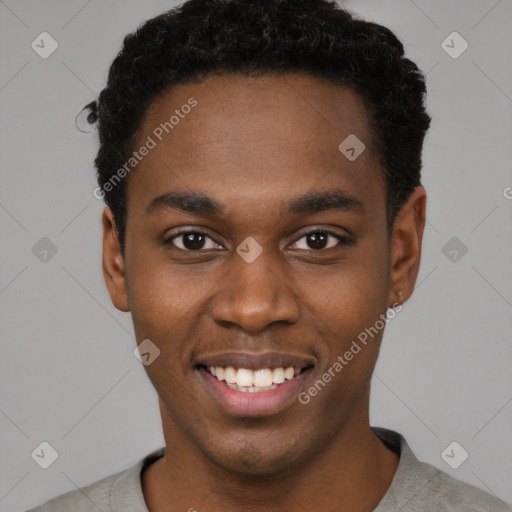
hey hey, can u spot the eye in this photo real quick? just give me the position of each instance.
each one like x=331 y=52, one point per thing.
x=192 y=241
x=320 y=239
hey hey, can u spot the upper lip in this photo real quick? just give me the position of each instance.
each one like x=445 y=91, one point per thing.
x=253 y=361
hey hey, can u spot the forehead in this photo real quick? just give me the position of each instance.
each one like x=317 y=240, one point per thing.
x=274 y=133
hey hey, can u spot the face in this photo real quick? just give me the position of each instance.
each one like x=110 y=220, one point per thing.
x=253 y=242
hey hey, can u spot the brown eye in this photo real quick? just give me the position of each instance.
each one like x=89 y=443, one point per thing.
x=318 y=240
x=192 y=241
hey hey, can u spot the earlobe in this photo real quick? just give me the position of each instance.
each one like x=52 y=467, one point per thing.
x=406 y=246
x=113 y=264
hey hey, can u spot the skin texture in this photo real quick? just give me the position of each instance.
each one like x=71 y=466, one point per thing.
x=252 y=144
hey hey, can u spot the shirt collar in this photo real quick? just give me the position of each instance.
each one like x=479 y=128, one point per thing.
x=127 y=493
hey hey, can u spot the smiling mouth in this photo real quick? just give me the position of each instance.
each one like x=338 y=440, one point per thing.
x=254 y=381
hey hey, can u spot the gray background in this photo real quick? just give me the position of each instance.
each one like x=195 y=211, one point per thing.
x=68 y=374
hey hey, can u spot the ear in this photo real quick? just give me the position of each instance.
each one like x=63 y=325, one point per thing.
x=113 y=264
x=406 y=246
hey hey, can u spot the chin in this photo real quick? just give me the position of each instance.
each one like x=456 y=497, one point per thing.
x=250 y=460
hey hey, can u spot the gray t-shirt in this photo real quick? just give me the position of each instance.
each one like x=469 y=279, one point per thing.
x=416 y=487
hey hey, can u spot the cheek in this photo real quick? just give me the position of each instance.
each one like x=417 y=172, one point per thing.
x=351 y=294
x=346 y=304
x=165 y=299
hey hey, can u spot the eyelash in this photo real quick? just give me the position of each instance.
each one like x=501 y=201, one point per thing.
x=341 y=239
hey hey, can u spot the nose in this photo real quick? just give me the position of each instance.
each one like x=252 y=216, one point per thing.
x=255 y=295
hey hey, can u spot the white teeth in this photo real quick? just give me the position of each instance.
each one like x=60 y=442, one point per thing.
x=252 y=389
x=230 y=375
x=263 y=378
x=244 y=379
x=278 y=376
x=289 y=373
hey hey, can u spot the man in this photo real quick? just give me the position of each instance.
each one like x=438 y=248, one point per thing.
x=260 y=161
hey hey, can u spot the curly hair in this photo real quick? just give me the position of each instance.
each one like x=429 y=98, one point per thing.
x=207 y=37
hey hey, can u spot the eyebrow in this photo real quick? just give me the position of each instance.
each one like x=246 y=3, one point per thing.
x=313 y=202
x=185 y=201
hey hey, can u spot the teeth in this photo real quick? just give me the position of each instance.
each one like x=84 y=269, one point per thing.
x=289 y=373
x=278 y=376
x=243 y=379
x=230 y=375
x=251 y=389
x=263 y=378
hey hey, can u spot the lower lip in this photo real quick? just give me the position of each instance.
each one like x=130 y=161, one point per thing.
x=259 y=403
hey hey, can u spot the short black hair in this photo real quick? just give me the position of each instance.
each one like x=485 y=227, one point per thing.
x=208 y=37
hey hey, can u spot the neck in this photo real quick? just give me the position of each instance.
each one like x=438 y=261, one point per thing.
x=352 y=473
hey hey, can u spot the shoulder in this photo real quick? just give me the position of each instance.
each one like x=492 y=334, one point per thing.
x=419 y=486
x=118 y=492
x=91 y=497
x=446 y=493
